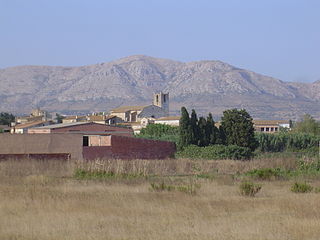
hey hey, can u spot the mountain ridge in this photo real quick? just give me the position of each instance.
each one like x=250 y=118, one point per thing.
x=208 y=85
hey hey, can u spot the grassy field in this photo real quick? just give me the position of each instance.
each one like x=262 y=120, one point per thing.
x=46 y=200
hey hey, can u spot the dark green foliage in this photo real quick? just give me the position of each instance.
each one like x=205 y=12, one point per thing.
x=189 y=188
x=6 y=118
x=215 y=152
x=195 y=128
x=212 y=132
x=203 y=135
x=249 y=189
x=186 y=132
x=293 y=142
x=238 y=128
x=301 y=187
x=59 y=118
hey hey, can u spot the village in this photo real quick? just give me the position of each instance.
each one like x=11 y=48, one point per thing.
x=99 y=135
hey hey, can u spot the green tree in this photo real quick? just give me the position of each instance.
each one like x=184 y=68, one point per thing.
x=238 y=128
x=59 y=118
x=212 y=131
x=203 y=135
x=6 y=118
x=185 y=134
x=307 y=125
x=195 y=128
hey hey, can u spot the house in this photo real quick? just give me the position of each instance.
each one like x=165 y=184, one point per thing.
x=103 y=119
x=76 y=146
x=270 y=126
x=73 y=119
x=36 y=115
x=171 y=120
x=159 y=108
x=24 y=127
x=84 y=128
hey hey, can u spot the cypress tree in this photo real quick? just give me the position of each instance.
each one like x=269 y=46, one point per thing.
x=185 y=136
x=194 y=127
x=211 y=130
x=203 y=137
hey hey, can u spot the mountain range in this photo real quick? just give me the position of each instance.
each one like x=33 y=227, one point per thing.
x=207 y=86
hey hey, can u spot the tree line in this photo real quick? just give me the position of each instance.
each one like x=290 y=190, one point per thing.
x=236 y=128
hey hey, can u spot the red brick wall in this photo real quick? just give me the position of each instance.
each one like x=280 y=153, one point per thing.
x=131 y=148
x=95 y=127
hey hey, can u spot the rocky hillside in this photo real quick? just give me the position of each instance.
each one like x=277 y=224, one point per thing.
x=204 y=85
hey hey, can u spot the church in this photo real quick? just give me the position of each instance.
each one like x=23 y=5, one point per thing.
x=159 y=108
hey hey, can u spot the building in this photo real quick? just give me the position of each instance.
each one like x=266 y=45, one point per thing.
x=84 y=128
x=82 y=147
x=36 y=115
x=162 y=100
x=73 y=119
x=270 y=126
x=159 y=108
x=103 y=119
x=24 y=127
x=171 y=120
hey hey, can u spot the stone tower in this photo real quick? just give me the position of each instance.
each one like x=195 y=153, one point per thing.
x=162 y=100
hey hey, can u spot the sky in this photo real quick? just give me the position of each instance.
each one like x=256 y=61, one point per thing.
x=278 y=38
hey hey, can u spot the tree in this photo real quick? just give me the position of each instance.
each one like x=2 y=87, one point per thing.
x=203 y=139
x=6 y=118
x=238 y=128
x=212 y=132
x=59 y=118
x=194 y=127
x=307 y=125
x=185 y=135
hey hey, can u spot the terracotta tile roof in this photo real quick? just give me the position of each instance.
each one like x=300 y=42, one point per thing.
x=73 y=117
x=270 y=122
x=127 y=108
x=29 y=124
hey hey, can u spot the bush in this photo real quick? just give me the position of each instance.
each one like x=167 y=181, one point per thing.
x=249 y=189
x=215 y=152
x=301 y=187
x=266 y=173
x=160 y=132
x=286 y=141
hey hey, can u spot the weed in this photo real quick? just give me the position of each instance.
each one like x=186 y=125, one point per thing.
x=249 y=189
x=301 y=187
x=267 y=173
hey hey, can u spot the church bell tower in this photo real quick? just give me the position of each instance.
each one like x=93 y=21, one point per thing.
x=162 y=100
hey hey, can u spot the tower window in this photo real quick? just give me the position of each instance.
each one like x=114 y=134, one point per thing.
x=157 y=99
x=164 y=98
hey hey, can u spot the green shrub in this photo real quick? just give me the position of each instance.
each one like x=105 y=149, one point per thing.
x=215 y=152
x=161 y=187
x=287 y=141
x=301 y=187
x=267 y=173
x=160 y=132
x=249 y=189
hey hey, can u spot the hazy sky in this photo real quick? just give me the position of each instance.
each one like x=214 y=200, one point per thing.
x=279 y=38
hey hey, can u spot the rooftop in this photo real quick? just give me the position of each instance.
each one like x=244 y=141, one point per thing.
x=127 y=108
x=61 y=125
x=30 y=124
x=168 y=118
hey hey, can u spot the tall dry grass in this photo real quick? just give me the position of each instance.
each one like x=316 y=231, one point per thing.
x=41 y=200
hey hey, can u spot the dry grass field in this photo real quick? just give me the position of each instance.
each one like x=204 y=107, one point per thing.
x=42 y=200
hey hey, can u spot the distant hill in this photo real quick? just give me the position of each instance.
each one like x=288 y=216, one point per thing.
x=204 y=85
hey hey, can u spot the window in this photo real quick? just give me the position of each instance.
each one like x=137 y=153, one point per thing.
x=85 y=141
x=271 y=129
x=267 y=129
x=157 y=99
x=262 y=129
